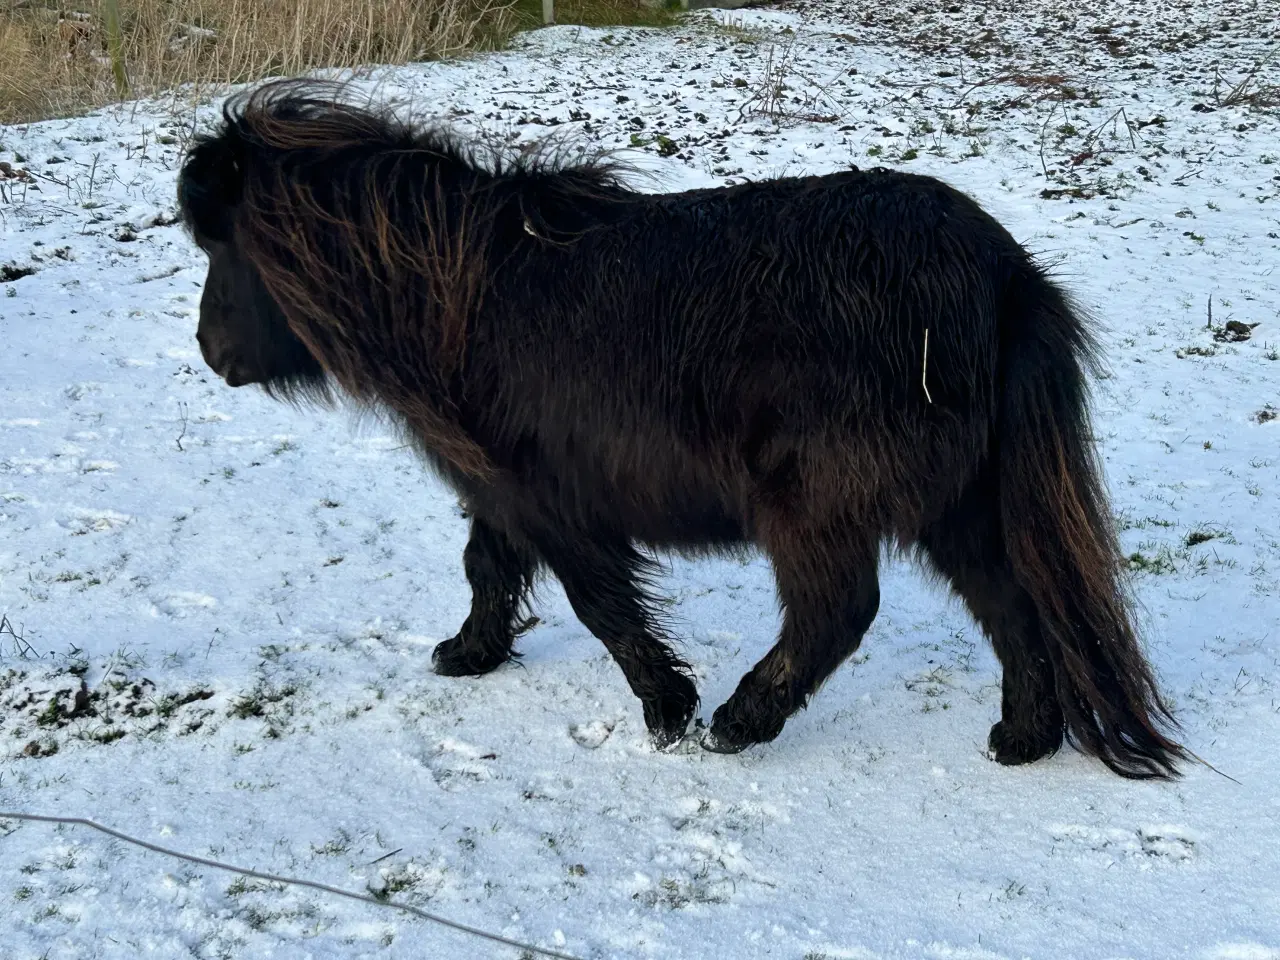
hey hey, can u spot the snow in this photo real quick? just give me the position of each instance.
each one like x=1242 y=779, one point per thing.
x=251 y=592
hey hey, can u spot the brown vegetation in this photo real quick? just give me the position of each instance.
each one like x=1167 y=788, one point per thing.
x=54 y=55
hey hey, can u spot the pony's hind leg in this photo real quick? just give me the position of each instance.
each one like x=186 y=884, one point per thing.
x=501 y=574
x=829 y=588
x=966 y=546
x=603 y=581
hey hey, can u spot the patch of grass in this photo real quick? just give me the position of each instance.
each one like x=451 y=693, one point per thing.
x=1155 y=560
x=169 y=704
x=666 y=146
x=396 y=879
x=1203 y=534
x=335 y=847
x=1126 y=521
x=48 y=913
x=1195 y=350
x=242 y=885
x=104 y=735
x=256 y=702
x=675 y=894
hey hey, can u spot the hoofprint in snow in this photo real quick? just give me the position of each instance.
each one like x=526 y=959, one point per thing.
x=218 y=611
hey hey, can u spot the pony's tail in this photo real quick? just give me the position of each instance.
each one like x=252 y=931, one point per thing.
x=1060 y=537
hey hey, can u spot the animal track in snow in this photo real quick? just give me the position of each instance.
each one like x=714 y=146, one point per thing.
x=717 y=817
x=455 y=764
x=80 y=522
x=591 y=735
x=184 y=604
x=1171 y=844
x=78 y=391
x=698 y=866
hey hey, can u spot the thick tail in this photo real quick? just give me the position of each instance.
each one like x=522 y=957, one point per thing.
x=1060 y=536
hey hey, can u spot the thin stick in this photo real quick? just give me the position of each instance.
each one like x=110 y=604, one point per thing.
x=272 y=878
x=1045 y=126
x=924 y=369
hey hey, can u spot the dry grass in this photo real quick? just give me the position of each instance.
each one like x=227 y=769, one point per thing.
x=54 y=62
x=600 y=13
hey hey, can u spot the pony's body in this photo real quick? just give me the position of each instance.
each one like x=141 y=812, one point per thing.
x=810 y=366
x=663 y=399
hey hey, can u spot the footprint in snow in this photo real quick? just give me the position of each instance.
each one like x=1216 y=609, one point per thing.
x=591 y=735
x=184 y=604
x=456 y=764
x=78 y=391
x=1164 y=843
x=80 y=521
x=1169 y=842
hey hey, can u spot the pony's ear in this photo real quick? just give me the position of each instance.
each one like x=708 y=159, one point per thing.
x=210 y=187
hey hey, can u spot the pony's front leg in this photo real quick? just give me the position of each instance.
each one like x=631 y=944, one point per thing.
x=501 y=573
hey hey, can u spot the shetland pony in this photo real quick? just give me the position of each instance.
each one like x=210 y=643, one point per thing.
x=807 y=366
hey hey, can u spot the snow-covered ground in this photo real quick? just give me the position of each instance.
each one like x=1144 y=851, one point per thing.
x=250 y=593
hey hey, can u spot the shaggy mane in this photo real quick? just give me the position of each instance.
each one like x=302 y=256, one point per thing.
x=352 y=212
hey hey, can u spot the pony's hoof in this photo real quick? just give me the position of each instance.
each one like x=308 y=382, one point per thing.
x=1012 y=750
x=455 y=658
x=665 y=740
x=743 y=720
x=716 y=743
x=668 y=717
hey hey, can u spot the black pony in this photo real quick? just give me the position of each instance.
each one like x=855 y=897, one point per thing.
x=810 y=366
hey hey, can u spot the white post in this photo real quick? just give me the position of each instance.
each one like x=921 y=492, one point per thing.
x=548 y=11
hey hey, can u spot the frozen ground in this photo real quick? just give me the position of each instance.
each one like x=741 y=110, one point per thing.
x=250 y=594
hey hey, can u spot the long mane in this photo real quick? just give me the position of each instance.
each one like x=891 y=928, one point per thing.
x=376 y=236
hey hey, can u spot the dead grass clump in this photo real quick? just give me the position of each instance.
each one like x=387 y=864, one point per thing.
x=1250 y=90
x=20 y=70
x=54 y=55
